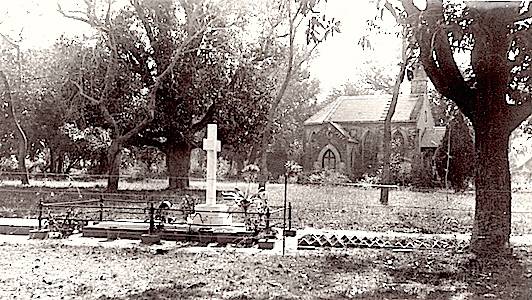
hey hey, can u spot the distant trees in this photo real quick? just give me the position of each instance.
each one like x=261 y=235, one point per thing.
x=372 y=78
x=285 y=21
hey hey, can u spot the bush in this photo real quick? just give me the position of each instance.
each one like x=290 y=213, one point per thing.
x=322 y=177
x=462 y=155
x=374 y=177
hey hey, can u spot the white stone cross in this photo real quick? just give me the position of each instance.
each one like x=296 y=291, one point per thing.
x=212 y=146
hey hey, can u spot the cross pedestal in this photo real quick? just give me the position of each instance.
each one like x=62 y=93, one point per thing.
x=211 y=213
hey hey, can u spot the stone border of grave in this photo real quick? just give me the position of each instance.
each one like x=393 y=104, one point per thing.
x=378 y=240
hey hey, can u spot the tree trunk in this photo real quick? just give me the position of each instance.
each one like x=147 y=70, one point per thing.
x=21 y=135
x=178 y=165
x=21 y=157
x=52 y=160
x=387 y=136
x=264 y=173
x=492 y=224
x=60 y=162
x=386 y=151
x=113 y=163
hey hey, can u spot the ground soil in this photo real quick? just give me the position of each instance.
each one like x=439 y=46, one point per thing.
x=52 y=269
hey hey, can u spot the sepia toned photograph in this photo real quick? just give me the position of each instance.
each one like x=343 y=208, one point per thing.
x=265 y=149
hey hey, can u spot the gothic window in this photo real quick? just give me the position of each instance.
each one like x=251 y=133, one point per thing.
x=329 y=160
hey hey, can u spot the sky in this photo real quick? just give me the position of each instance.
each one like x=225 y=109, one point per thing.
x=339 y=58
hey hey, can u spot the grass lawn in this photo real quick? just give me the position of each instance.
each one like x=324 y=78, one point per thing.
x=51 y=270
x=318 y=206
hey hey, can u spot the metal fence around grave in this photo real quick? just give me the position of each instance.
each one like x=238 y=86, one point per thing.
x=69 y=215
x=350 y=206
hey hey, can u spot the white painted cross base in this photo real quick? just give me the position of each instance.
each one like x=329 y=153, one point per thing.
x=211 y=214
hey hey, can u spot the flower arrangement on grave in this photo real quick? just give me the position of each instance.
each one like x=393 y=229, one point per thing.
x=250 y=174
x=245 y=200
x=188 y=204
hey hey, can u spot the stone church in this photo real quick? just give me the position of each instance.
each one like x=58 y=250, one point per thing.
x=347 y=134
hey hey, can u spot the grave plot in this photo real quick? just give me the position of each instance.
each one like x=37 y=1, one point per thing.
x=238 y=218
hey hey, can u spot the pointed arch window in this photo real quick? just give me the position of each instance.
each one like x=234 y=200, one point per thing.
x=329 y=160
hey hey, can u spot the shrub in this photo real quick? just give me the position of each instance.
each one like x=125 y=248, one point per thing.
x=462 y=154
x=322 y=177
x=373 y=177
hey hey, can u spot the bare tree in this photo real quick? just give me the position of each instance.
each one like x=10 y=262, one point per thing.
x=11 y=95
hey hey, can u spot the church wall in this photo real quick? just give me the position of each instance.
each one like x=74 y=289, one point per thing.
x=362 y=152
x=320 y=137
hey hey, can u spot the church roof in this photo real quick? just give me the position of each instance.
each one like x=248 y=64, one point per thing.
x=432 y=137
x=367 y=108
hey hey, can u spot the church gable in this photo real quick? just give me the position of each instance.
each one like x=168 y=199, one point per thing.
x=425 y=119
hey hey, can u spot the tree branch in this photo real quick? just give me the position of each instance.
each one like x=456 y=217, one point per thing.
x=206 y=118
x=437 y=57
x=520 y=112
x=90 y=98
x=145 y=23
x=88 y=20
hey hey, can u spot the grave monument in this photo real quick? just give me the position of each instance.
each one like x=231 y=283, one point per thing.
x=211 y=213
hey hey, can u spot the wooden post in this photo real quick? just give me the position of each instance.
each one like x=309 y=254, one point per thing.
x=152 y=220
x=289 y=215
x=268 y=215
x=40 y=214
x=284 y=211
x=101 y=208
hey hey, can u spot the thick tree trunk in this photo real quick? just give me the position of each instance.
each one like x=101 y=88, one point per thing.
x=53 y=161
x=492 y=225
x=178 y=165
x=113 y=162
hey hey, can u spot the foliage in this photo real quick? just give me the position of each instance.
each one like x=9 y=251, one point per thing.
x=216 y=79
x=282 y=29
x=322 y=177
x=292 y=168
x=461 y=157
x=372 y=78
x=298 y=104
x=250 y=173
